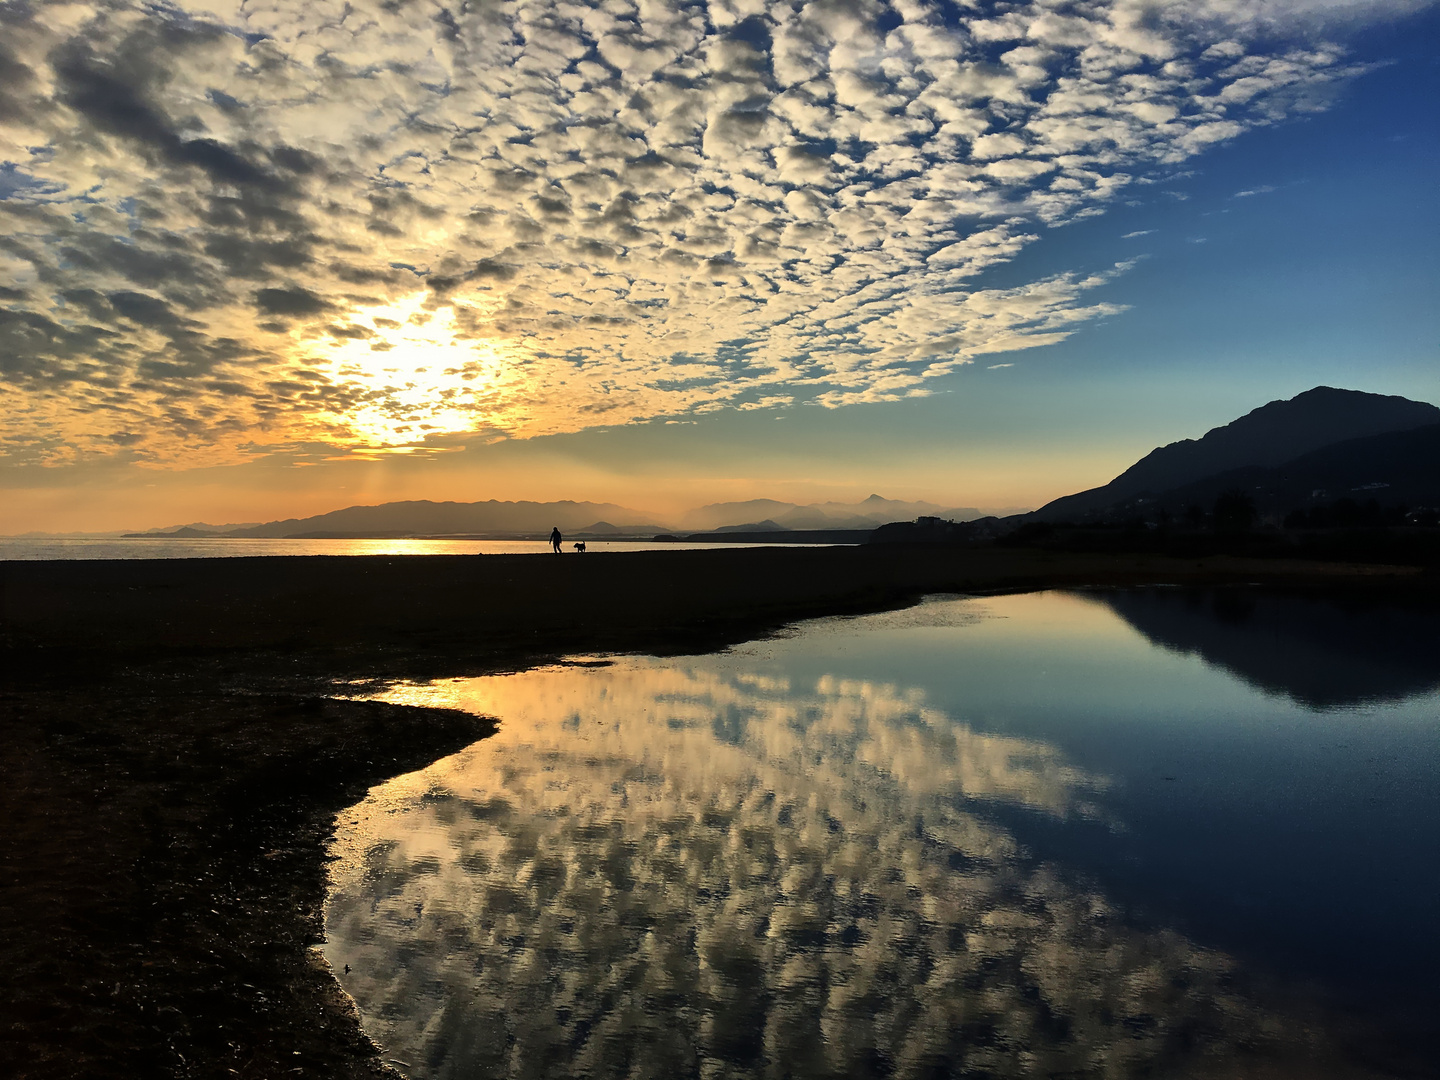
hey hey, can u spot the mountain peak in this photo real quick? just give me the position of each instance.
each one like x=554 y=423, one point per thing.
x=1271 y=435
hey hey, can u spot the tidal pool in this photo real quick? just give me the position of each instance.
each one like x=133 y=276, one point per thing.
x=1141 y=833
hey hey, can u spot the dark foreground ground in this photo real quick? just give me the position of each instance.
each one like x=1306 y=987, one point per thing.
x=172 y=764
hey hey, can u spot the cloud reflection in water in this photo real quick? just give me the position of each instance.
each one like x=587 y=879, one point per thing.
x=663 y=868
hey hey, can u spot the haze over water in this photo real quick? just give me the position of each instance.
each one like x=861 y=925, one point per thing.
x=1078 y=834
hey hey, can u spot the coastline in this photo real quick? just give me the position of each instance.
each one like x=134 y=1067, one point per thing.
x=175 y=763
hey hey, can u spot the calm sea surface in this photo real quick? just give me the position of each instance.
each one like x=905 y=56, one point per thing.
x=13 y=548
x=1142 y=833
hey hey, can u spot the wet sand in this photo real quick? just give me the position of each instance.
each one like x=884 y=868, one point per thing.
x=172 y=765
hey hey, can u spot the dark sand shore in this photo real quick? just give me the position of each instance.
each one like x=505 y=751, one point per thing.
x=173 y=765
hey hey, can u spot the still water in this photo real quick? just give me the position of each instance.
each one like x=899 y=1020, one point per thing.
x=1058 y=834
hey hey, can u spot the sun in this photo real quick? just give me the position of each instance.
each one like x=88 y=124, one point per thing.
x=405 y=375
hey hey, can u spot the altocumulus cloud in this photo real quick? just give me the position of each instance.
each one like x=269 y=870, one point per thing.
x=230 y=229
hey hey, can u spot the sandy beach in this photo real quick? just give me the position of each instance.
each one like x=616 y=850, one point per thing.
x=174 y=762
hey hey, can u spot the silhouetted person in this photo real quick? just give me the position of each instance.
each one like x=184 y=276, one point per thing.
x=556 y=539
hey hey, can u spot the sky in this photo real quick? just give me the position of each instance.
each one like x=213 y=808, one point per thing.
x=268 y=258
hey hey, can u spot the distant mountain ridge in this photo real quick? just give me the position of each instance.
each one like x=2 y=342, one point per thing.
x=425 y=518
x=580 y=519
x=1266 y=438
x=768 y=514
x=1323 y=444
x=196 y=528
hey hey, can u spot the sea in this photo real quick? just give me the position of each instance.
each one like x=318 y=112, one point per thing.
x=21 y=548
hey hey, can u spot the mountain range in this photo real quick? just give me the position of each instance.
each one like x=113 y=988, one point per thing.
x=425 y=518
x=767 y=513
x=580 y=519
x=1323 y=445
x=1316 y=448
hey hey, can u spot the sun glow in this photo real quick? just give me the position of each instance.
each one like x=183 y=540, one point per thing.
x=406 y=377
